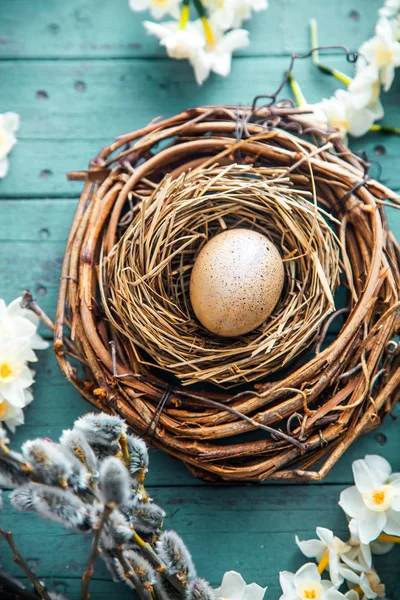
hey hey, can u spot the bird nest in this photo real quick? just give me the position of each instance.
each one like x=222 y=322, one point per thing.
x=309 y=380
x=144 y=281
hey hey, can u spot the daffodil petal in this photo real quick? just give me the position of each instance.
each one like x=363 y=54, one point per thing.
x=308 y=572
x=352 y=503
x=325 y=535
x=254 y=591
x=372 y=526
x=311 y=548
x=364 y=477
x=333 y=594
x=392 y=526
x=381 y=467
x=13 y=394
x=349 y=571
x=233 y=586
x=286 y=580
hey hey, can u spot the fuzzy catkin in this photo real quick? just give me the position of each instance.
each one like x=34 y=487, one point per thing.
x=114 y=481
x=176 y=556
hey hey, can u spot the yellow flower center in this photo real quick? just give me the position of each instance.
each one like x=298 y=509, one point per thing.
x=3 y=409
x=379 y=500
x=5 y=370
x=310 y=590
x=379 y=497
x=376 y=90
x=384 y=56
x=159 y=3
x=340 y=124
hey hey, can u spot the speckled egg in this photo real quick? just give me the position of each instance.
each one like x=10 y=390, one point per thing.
x=236 y=282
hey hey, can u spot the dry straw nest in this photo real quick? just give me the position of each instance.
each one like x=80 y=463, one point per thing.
x=302 y=387
x=144 y=280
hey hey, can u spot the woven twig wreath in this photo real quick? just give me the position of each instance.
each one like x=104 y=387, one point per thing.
x=312 y=409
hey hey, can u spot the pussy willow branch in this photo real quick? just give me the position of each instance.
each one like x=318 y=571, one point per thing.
x=19 y=560
x=94 y=552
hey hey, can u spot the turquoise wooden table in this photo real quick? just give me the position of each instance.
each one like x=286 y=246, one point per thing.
x=79 y=73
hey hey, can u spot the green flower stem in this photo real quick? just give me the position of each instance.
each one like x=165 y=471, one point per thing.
x=315 y=57
x=185 y=14
x=314 y=40
x=385 y=129
x=296 y=89
x=206 y=25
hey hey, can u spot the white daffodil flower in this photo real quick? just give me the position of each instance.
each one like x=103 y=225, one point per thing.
x=234 y=587
x=9 y=124
x=383 y=51
x=374 y=502
x=343 y=115
x=218 y=58
x=365 y=90
x=179 y=43
x=231 y=13
x=15 y=375
x=328 y=549
x=389 y=9
x=20 y=324
x=306 y=584
x=158 y=8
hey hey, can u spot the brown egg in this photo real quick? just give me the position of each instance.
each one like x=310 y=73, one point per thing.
x=236 y=282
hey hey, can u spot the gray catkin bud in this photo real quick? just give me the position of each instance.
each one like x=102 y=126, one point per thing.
x=199 y=589
x=21 y=498
x=176 y=556
x=100 y=428
x=57 y=505
x=138 y=454
x=117 y=531
x=52 y=466
x=112 y=565
x=147 y=517
x=114 y=481
x=166 y=590
x=143 y=569
x=129 y=506
x=11 y=474
x=79 y=479
x=75 y=441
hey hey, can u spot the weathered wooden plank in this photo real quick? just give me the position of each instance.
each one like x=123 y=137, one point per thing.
x=105 y=29
x=62 y=132
x=123 y=95
x=220 y=530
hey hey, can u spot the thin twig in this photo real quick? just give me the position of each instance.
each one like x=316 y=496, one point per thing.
x=19 y=560
x=130 y=574
x=94 y=552
x=275 y=432
x=160 y=566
